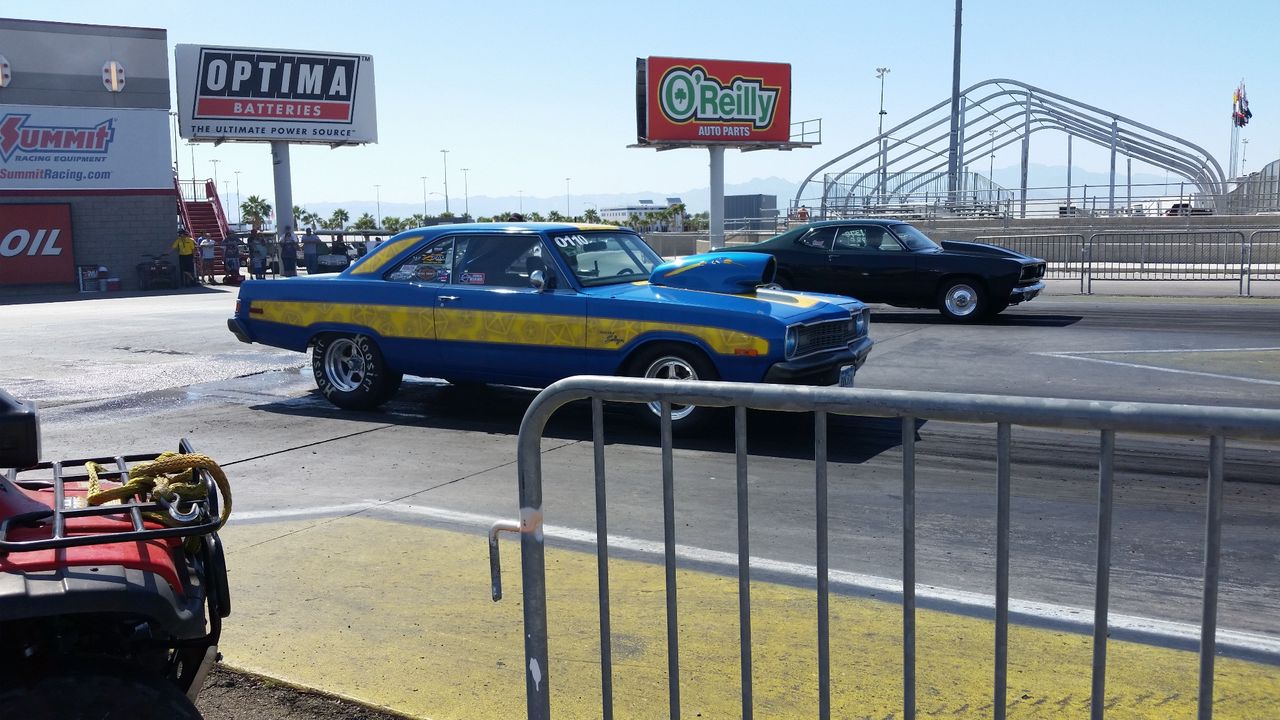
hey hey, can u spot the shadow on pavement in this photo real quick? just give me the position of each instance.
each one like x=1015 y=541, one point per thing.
x=1014 y=319
x=498 y=409
x=76 y=296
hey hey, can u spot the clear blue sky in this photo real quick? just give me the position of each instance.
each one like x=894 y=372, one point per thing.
x=527 y=94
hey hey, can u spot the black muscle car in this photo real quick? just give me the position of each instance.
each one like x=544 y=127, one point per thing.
x=891 y=262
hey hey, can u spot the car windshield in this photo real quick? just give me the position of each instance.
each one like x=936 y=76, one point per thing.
x=913 y=238
x=606 y=258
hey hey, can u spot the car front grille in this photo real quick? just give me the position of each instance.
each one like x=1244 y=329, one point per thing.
x=823 y=336
x=1032 y=272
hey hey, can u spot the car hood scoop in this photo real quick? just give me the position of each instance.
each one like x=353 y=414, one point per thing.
x=731 y=272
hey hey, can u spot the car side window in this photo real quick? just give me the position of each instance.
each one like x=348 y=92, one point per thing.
x=432 y=264
x=818 y=239
x=498 y=260
x=866 y=239
x=851 y=239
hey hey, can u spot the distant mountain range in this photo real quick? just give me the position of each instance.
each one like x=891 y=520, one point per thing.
x=698 y=199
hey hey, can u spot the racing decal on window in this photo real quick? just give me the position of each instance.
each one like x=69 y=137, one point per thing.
x=426 y=273
x=472 y=278
x=565 y=241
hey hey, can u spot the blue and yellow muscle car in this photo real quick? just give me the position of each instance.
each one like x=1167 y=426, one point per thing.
x=530 y=303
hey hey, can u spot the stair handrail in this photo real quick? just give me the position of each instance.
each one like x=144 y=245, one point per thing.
x=211 y=192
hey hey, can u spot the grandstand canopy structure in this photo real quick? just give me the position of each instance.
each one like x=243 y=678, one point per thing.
x=912 y=157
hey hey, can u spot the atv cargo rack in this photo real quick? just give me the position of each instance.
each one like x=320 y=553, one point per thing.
x=55 y=476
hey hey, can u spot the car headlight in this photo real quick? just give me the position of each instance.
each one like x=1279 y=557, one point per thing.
x=861 y=322
x=791 y=341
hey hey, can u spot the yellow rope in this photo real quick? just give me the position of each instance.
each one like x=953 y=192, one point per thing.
x=170 y=477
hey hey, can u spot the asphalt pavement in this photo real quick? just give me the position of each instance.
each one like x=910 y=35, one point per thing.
x=360 y=501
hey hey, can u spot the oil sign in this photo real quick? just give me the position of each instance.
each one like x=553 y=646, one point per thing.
x=35 y=244
x=695 y=102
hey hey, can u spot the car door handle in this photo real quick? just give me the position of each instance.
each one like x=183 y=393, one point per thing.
x=448 y=298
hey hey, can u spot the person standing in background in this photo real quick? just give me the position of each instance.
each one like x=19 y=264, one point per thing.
x=258 y=252
x=288 y=252
x=186 y=248
x=208 y=247
x=311 y=251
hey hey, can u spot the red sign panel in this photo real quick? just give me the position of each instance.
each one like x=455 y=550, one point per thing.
x=717 y=101
x=35 y=245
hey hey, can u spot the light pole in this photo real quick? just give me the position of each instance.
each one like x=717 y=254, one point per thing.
x=176 y=171
x=193 y=168
x=239 y=220
x=1244 y=156
x=444 y=157
x=567 y=212
x=884 y=146
x=424 y=198
x=466 y=194
x=215 y=173
x=377 y=192
x=991 y=167
x=521 y=202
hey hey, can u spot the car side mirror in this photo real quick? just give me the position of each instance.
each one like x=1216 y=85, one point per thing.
x=538 y=280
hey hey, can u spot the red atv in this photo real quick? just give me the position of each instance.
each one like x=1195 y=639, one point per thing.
x=113 y=584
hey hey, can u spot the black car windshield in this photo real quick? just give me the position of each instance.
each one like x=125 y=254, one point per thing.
x=606 y=258
x=913 y=238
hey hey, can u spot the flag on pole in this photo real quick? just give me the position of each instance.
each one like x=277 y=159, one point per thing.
x=1240 y=112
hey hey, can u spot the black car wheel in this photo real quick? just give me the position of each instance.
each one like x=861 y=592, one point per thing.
x=962 y=300
x=351 y=373
x=674 y=362
x=116 y=694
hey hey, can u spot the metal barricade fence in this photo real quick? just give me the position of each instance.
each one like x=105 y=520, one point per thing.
x=1171 y=255
x=1107 y=419
x=1064 y=253
x=1262 y=258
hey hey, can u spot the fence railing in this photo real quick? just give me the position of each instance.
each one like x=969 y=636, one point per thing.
x=1181 y=255
x=1107 y=419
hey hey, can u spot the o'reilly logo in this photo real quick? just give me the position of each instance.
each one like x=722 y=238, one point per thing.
x=690 y=94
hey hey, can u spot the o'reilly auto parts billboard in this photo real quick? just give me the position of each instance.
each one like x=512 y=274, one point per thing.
x=260 y=95
x=73 y=148
x=696 y=102
x=35 y=244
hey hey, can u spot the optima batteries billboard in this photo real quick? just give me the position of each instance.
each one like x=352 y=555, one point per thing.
x=228 y=94
x=695 y=102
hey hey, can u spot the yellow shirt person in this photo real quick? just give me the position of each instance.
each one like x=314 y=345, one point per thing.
x=186 y=248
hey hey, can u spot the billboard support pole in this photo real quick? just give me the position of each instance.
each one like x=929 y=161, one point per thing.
x=717 y=196
x=284 y=187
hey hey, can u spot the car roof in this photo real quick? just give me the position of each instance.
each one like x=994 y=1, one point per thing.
x=434 y=231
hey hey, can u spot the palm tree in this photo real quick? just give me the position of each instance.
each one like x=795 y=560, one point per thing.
x=555 y=216
x=255 y=210
x=417 y=220
x=339 y=219
x=365 y=222
x=392 y=223
x=299 y=213
x=591 y=216
x=535 y=216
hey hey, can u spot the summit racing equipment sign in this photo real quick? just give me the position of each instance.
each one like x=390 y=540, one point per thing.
x=685 y=101
x=35 y=244
x=70 y=148
x=263 y=95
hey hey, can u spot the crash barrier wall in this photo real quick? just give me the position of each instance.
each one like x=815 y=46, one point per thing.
x=1209 y=254
x=1107 y=419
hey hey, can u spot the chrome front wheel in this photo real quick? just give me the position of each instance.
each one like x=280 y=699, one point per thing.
x=671 y=367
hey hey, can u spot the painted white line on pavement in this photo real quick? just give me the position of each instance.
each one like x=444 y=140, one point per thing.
x=1199 y=373
x=1080 y=617
x=1069 y=353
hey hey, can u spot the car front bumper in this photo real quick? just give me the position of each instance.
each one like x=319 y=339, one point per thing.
x=821 y=368
x=1025 y=293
